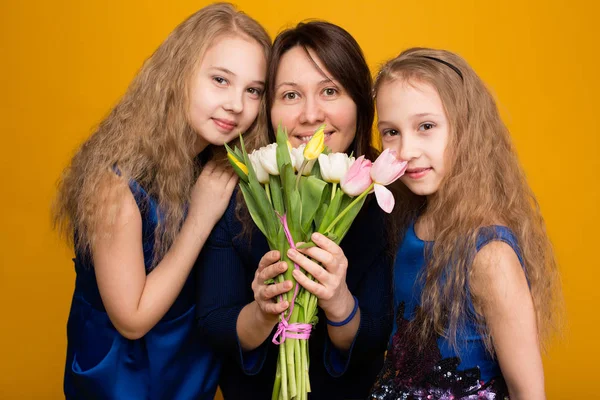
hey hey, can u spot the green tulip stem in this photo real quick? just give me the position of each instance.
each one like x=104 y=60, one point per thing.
x=345 y=211
x=268 y=190
x=304 y=163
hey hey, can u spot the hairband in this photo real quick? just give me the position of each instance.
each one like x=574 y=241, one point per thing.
x=447 y=64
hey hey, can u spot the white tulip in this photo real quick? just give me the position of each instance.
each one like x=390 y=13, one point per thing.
x=297 y=156
x=334 y=166
x=268 y=158
x=261 y=174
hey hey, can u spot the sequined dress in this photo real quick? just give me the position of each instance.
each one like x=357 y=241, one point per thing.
x=436 y=371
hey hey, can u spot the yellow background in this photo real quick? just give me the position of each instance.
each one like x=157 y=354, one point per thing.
x=65 y=63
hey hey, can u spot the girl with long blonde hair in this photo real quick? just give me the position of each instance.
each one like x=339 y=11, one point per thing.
x=140 y=198
x=476 y=282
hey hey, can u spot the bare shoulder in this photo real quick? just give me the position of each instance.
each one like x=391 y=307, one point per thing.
x=496 y=271
x=115 y=203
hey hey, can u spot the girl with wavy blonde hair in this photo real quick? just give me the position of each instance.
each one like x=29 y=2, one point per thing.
x=141 y=196
x=476 y=281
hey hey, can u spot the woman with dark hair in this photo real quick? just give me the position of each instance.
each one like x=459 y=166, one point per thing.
x=317 y=75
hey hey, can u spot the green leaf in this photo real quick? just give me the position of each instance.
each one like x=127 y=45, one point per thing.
x=238 y=153
x=262 y=202
x=343 y=225
x=283 y=153
x=332 y=211
x=254 y=210
x=316 y=171
x=311 y=193
x=276 y=193
x=322 y=210
x=236 y=168
x=294 y=216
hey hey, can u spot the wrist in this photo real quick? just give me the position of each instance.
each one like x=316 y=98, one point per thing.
x=264 y=319
x=349 y=318
x=342 y=310
x=198 y=223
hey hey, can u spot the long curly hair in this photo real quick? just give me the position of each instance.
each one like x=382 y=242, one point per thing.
x=148 y=136
x=485 y=185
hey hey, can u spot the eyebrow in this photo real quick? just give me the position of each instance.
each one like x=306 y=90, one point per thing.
x=419 y=115
x=294 y=84
x=222 y=69
x=426 y=114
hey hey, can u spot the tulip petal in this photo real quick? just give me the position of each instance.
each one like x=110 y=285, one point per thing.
x=384 y=197
x=387 y=168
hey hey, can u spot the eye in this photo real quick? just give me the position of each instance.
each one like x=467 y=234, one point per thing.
x=330 y=91
x=220 y=80
x=426 y=126
x=290 y=96
x=255 y=92
x=390 y=132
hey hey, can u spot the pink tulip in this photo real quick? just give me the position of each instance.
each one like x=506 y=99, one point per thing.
x=358 y=177
x=387 y=168
x=384 y=197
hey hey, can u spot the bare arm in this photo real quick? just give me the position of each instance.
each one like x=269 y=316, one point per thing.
x=502 y=296
x=134 y=301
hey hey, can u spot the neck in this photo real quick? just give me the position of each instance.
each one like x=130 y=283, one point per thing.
x=424 y=227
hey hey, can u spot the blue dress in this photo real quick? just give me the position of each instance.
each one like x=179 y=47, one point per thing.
x=436 y=371
x=169 y=362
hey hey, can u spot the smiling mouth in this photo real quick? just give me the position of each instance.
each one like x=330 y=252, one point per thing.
x=224 y=124
x=416 y=170
x=306 y=138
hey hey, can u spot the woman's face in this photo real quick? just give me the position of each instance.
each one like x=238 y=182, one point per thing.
x=306 y=97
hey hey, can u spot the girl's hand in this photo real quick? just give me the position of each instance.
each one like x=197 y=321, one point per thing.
x=331 y=289
x=211 y=192
x=266 y=294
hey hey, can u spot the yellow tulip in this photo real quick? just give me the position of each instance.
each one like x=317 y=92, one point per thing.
x=237 y=163
x=315 y=145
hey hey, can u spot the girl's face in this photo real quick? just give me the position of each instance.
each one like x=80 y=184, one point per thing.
x=412 y=121
x=306 y=98
x=226 y=90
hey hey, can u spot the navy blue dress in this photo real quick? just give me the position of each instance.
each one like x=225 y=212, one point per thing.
x=228 y=263
x=436 y=371
x=168 y=363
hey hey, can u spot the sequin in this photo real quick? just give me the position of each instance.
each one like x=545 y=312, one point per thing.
x=412 y=373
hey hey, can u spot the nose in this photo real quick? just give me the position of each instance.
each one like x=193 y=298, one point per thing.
x=312 y=112
x=409 y=148
x=235 y=102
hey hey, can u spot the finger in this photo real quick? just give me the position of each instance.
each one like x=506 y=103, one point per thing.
x=273 y=270
x=308 y=265
x=313 y=287
x=327 y=244
x=209 y=168
x=275 y=308
x=226 y=172
x=272 y=291
x=230 y=186
x=322 y=256
x=268 y=259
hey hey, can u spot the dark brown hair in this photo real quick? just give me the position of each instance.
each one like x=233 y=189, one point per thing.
x=343 y=58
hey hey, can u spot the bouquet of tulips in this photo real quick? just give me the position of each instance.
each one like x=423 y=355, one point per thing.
x=289 y=196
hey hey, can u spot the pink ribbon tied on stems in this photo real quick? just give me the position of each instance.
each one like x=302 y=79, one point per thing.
x=284 y=328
